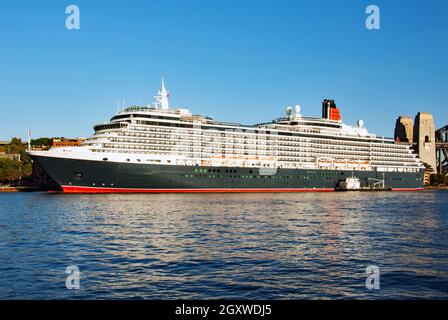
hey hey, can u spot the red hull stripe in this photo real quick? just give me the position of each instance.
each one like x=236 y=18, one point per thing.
x=73 y=189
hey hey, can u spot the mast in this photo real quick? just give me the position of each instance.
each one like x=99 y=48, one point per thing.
x=29 y=140
x=162 y=97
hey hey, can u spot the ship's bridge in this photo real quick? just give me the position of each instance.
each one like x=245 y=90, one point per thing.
x=149 y=112
x=159 y=110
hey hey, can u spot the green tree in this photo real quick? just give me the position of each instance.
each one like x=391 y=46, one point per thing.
x=428 y=167
x=439 y=179
x=9 y=170
x=16 y=169
x=16 y=146
x=41 y=142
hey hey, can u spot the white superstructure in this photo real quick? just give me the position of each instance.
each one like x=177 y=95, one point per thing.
x=158 y=134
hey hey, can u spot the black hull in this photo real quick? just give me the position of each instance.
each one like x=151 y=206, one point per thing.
x=104 y=176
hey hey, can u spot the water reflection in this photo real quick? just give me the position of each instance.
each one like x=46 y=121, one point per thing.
x=256 y=246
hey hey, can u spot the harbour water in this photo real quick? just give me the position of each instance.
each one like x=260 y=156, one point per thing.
x=224 y=246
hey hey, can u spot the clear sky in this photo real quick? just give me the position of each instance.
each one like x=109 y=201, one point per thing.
x=234 y=60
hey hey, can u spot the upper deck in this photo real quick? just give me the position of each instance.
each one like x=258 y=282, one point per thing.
x=294 y=123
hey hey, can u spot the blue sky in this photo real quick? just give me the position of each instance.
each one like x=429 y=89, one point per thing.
x=234 y=60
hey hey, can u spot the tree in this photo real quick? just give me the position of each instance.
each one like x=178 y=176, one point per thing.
x=439 y=179
x=428 y=167
x=16 y=146
x=41 y=142
x=9 y=170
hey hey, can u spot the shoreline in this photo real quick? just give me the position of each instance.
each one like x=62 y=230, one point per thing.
x=22 y=189
x=435 y=188
x=35 y=189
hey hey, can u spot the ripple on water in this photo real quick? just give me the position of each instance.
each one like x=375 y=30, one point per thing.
x=226 y=246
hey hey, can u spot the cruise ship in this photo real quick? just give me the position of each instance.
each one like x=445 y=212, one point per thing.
x=158 y=149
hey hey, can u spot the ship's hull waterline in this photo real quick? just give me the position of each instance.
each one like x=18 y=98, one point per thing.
x=86 y=176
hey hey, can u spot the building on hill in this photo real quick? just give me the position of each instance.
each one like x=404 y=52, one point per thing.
x=63 y=142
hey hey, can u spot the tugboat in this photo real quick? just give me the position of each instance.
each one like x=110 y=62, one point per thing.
x=349 y=184
x=354 y=184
